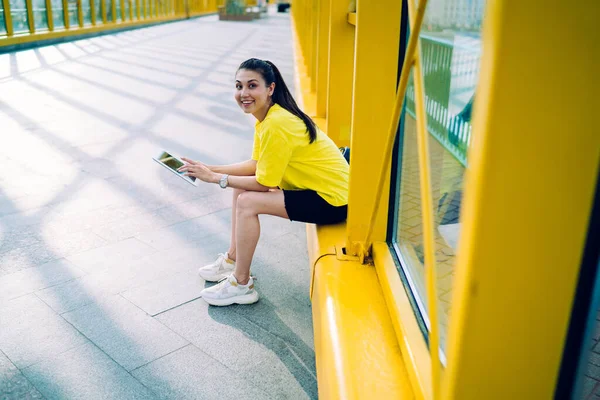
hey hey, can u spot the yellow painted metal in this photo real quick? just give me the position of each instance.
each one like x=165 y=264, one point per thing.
x=66 y=18
x=426 y=201
x=357 y=354
x=533 y=165
x=314 y=20
x=113 y=5
x=8 y=18
x=122 y=10
x=103 y=11
x=93 y=11
x=394 y=122
x=379 y=22
x=341 y=59
x=30 y=20
x=49 y=15
x=80 y=12
x=412 y=343
x=130 y=9
x=322 y=55
x=138 y=12
x=352 y=18
x=41 y=36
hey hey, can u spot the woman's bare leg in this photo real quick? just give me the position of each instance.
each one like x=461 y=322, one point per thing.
x=249 y=205
x=232 y=247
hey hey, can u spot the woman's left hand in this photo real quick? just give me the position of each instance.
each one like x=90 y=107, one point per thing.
x=200 y=171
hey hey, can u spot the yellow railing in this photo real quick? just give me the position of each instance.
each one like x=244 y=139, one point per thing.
x=80 y=17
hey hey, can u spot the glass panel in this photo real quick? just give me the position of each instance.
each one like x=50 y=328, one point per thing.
x=58 y=14
x=451 y=51
x=109 y=13
x=40 y=17
x=2 y=20
x=87 y=12
x=73 y=17
x=18 y=12
x=118 y=9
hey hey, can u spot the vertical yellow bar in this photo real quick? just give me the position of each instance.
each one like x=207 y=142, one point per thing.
x=67 y=20
x=529 y=192
x=379 y=23
x=130 y=9
x=113 y=6
x=8 y=18
x=30 y=20
x=137 y=9
x=341 y=60
x=80 y=12
x=103 y=11
x=314 y=45
x=49 y=15
x=322 y=68
x=93 y=11
x=123 y=10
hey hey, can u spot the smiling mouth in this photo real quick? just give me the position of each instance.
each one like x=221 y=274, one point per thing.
x=246 y=103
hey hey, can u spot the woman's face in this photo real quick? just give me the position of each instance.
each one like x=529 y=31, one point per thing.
x=252 y=93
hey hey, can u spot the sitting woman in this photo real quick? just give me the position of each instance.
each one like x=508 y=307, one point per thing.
x=296 y=172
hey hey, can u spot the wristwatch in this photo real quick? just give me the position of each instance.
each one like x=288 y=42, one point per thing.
x=224 y=181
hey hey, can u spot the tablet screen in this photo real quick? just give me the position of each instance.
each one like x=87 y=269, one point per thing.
x=173 y=163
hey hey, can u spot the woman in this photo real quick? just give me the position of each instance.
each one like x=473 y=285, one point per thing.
x=296 y=172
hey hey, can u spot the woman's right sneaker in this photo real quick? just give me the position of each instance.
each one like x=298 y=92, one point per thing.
x=222 y=267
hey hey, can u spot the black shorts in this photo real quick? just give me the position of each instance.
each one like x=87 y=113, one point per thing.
x=308 y=206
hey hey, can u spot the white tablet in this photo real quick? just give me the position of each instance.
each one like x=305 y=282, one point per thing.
x=172 y=163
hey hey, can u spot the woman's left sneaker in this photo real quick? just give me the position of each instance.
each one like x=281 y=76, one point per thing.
x=229 y=291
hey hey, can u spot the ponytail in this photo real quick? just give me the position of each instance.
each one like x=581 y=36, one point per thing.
x=281 y=94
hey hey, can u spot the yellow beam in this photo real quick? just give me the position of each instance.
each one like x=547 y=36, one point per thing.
x=380 y=23
x=8 y=18
x=41 y=36
x=122 y=2
x=30 y=19
x=67 y=21
x=103 y=11
x=322 y=55
x=49 y=15
x=93 y=11
x=341 y=59
x=80 y=12
x=533 y=165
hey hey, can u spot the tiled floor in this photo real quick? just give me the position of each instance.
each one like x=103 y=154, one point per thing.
x=99 y=245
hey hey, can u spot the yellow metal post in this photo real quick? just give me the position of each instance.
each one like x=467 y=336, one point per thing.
x=123 y=10
x=137 y=9
x=8 y=18
x=93 y=11
x=80 y=12
x=533 y=165
x=314 y=23
x=67 y=20
x=322 y=67
x=341 y=59
x=103 y=11
x=375 y=80
x=30 y=20
x=113 y=5
x=49 y=15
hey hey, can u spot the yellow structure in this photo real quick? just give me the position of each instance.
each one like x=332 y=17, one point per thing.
x=510 y=172
x=84 y=17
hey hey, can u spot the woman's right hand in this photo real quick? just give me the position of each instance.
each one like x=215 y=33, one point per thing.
x=192 y=162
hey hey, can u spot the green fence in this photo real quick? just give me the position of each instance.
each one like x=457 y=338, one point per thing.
x=450 y=72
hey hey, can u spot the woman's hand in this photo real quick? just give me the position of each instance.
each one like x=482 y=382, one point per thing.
x=199 y=171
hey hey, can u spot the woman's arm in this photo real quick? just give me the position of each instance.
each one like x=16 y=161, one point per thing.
x=244 y=168
x=205 y=174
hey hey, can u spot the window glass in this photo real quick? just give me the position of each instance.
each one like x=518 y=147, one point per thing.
x=451 y=50
x=40 y=17
x=2 y=20
x=58 y=14
x=18 y=12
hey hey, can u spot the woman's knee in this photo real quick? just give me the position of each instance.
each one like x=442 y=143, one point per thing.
x=246 y=203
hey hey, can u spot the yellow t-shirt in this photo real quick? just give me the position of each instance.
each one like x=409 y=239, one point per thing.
x=286 y=159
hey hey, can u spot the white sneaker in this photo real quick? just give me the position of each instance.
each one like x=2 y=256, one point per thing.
x=229 y=291
x=221 y=268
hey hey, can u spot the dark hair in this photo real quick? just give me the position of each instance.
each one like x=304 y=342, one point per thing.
x=281 y=94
